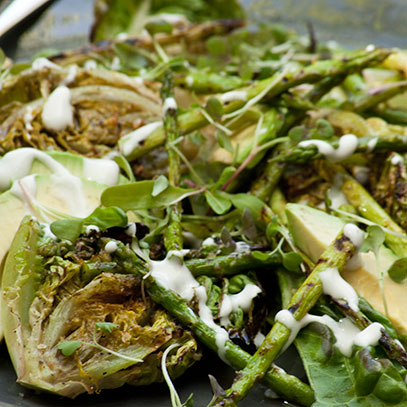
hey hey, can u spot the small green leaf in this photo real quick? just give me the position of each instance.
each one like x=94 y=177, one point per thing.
x=224 y=141
x=158 y=26
x=227 y=239
x=217 y=202
x=160 y=185
x=67 y=229
x=272 y=228
x=130 y=57
x=248 y=226
x=69 y=347
x=292 y=261
x=398 y=270
x=296 y=134
x=189 y=402
x=214 y=107
x=325 y=129
x=121 y=161
x=106 y=326
x=106 y=218
x=224 y=177
x=375 y=238
x=197 y=138
x=216 y=45
x=260 y=255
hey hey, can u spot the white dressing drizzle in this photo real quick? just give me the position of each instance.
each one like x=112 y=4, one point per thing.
x=91 y=228
x=353 y=233
x=334 y=285
x=396 y=159
x=171 y=273
x=189 y=80
x=111 y=246
x=132 y=140
x=369 y=336
x=72 y=72
x=170 y=105
x=28 y=118
x=361 y=174
x=371 y=144
x=233 y=95
x=209 y=241
x=41 y=63
x=131 y=229
x=101 y=170
x=242 y=247
x=57 y=113
x=346 y=146
x=90 y=64
x=243 y=299
x=258 y=339
x=344 y=330
x=46 y=228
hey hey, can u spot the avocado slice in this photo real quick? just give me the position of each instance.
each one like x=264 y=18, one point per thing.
x=313 y=230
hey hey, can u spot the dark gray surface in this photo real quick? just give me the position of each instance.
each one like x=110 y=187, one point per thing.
x=64 y=24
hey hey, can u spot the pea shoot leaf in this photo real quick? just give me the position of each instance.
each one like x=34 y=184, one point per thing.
x=106 y=218
x=67 y=229
x=227 y=239
x=106 y=326
x=69 y=347
x=214 y=108
x=125 y=166
x=398 y=270
x=160 y=185
x=248 y=226
x=158 y=26
x=224 y=141
x=292 y=261
x=139 y=195
x=375 y=238
x=218 y=202
x=272 y=228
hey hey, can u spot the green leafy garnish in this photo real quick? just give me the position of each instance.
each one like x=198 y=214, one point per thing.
x=69 y=347
x=106 y=326
x=160 y=185
x=67 y=229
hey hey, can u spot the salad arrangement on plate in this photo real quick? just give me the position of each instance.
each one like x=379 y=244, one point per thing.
x=186 y=182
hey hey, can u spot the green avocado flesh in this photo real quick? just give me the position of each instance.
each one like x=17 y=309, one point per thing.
x=313 y=230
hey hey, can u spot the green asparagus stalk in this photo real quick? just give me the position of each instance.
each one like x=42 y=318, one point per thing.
x=173 y=233
x=231 y=264
x=336 y=255
x=301 y=155
x=204 y=82
x=265 y=89
x=289 y=387
x=395 y=116
x=360 y=198
x=277 y=204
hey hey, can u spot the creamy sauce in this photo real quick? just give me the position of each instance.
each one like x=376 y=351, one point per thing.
x=91 y=228
x=189 y=80
x=397 y=159
x=28 y=118
x=111 y=247
x=337 y=197
x=242 y=247
x=209 y=241
x=47 y=231
x=369 y=336
x=132 y=140
x=41 y=63
x=372 y=144
x=57 y=113
x=72 y=72
x=353 y=233
x=258 y=339
x=344 y=330
x=361 y=174
x=346 y=147
x=131 y=229
x=115 y=65
x=90 y=64
x=101 y=170
x=233 y=95
x=334 y=285
x=169 y=106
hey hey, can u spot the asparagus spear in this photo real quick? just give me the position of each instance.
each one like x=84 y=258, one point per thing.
x=360 y=198
x=266 y=89
x=173 y=233
x=336 y=255
x=231 y=264
x=289 y=387
x=204 y=82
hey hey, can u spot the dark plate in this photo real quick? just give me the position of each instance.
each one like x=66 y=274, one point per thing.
x=65 y=24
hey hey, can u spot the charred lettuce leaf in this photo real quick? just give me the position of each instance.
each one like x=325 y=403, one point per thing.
x=129 y=16
x=57 y=293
